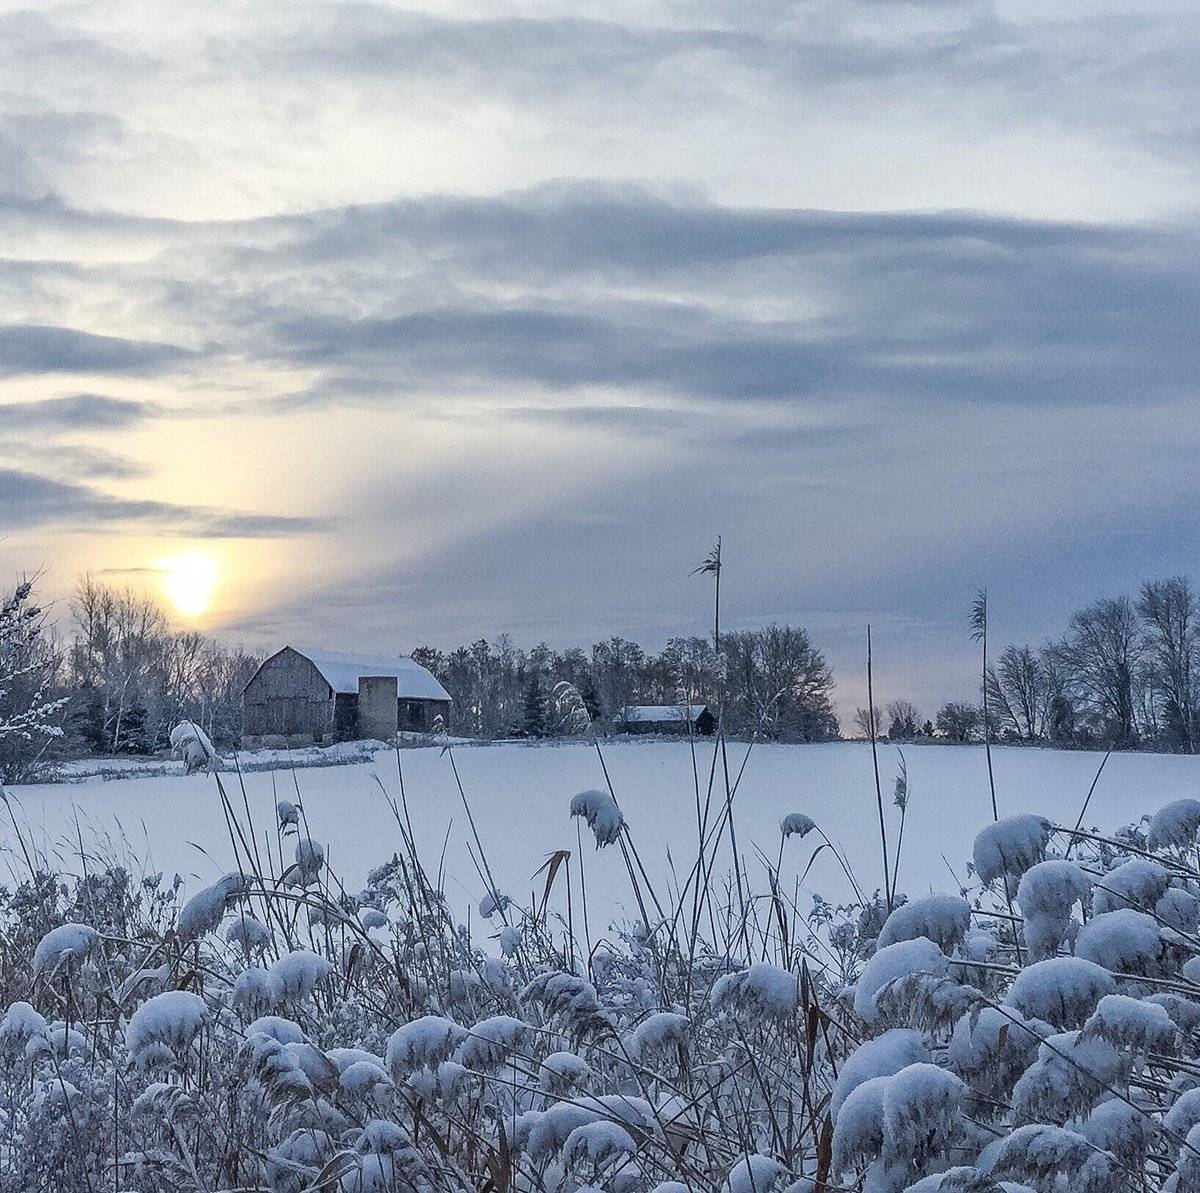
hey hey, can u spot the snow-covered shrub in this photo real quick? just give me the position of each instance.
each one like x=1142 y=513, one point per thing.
x=1040 y=1030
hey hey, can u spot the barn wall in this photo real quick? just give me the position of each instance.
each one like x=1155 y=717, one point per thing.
x=288 y=697
x=377 y=707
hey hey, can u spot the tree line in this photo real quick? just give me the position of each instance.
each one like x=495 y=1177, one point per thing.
x=773 y=681
x=114 y=676
x=1122 y=676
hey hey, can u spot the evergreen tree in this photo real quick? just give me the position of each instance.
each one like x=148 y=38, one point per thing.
x=534 y=723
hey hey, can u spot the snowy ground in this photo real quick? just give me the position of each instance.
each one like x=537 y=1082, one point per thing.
x=520 y=794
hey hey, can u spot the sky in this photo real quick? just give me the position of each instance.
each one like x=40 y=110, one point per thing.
x=414 y=323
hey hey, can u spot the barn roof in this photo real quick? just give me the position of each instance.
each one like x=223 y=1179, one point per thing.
x=343 y=671
x=652 y=714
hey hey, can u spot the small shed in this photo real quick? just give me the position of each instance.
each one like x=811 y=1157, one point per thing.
x=666 y=718
x=300 y=696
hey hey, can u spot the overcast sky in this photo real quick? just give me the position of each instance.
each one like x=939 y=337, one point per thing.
x=429 y=321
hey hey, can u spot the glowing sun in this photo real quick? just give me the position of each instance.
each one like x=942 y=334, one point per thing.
x=189 y=583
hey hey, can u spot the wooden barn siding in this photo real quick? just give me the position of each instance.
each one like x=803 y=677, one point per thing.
x=288 y=696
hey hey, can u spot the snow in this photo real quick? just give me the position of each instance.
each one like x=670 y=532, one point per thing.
x=762 y=989
x=896 y=1049
x=664 y=1029
x=944 y=919
x=519 y=797
x=191 y=744
x=491 y=1042
x=1132 y=1023
x=205 y=910
x=173 y=1018
x=295 y=975
x=654 y=714
x=1124 y=941
x=423 y=1043
x=1175 y=824
x=756 y=1174
x=1138 y=883
x=66 y=942
x=561 y=1071
x=796 y=824
x=895 y=961
x=1009 y=847
x=343 y=671
x=1063 y=991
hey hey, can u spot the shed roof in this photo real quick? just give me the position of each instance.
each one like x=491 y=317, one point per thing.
x=662 y=713
x=343 y=671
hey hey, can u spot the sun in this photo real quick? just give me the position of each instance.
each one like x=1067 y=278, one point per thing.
x=188 y=582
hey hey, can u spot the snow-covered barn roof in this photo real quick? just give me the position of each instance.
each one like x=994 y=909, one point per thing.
x=662 y=713
x=343 y=671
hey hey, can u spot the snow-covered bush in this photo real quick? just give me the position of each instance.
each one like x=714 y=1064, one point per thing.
x=1038 y=1030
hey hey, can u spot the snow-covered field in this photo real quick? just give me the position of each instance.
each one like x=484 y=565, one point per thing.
x=519 y=795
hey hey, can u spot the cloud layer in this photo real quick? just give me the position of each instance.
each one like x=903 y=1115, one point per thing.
x=468 y=318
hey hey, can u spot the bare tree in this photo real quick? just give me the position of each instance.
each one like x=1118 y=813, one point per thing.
x=958 y=721
x=1103 y=649
x=904 y=721
x=863 y=722
x=1168 y=610
x=1018 y=693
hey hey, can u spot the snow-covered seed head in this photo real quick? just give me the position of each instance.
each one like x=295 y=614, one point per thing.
x=170 y=1020
x=1063 y=991
x=796 y=824
x=762 y=989
x=600 y=810
x=1009 y=847
x=310 y=857
x=493 y=902
x=66 y=943
x=205 y=910
x=920 y=1114
x=423 y=1043
x=942 y=918
x=288 y=815
x=1175 y=825
x=894 y=961
x=756 y=1174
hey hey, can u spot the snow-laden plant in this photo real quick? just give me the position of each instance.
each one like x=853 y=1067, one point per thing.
x=279 y=1032
x=944 y=919
x=1009 y=847
x=600 y=811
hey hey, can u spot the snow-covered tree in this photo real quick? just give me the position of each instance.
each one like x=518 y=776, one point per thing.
x=30 y=715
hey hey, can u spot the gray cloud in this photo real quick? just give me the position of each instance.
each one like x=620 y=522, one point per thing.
x=30 y=500
x=27 y=349
x=75 y=412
